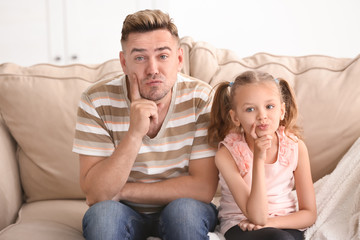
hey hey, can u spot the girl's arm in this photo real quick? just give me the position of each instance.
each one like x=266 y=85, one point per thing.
x=306 y=215
x=252 y=202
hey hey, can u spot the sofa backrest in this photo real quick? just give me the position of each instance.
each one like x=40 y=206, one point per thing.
x=38 y=105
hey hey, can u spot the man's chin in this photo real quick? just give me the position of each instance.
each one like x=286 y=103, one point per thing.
x=154 y=94
x=153 y=97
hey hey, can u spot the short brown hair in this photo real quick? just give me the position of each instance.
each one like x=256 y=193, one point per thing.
x=147 y=20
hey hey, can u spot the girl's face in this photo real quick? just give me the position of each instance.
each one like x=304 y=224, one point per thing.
x=258 y=104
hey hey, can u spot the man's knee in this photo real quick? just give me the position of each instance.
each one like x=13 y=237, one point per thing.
x=185 y=214
x=108 y=220
x=187 y=207
x=106 y=209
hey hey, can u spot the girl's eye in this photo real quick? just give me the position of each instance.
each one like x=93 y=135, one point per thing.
x=270 y=106
x=250 y=109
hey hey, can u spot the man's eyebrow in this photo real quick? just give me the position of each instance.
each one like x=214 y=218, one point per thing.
x=137 y=50
x=163 y=48
x=144 y=50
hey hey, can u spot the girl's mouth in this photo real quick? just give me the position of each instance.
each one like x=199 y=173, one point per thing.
x=263 y=127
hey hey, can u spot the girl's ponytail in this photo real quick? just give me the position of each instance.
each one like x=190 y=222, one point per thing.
x=220 y=121
x=291 y=114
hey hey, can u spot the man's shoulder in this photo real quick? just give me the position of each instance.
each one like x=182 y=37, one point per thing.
x=106 y=85
x=188 y=82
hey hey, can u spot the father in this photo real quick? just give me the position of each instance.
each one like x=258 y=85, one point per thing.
x=145 y=165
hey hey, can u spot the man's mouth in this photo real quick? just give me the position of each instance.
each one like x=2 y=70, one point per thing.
x=154 y=82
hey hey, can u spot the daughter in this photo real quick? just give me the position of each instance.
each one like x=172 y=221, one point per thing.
x=260 y=156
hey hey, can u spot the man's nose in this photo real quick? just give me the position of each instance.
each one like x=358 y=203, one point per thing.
x=152 y=67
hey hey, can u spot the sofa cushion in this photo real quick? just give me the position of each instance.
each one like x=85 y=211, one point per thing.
x=39 y=105
x=327 y=91
x=43 y=220
x=10 y=186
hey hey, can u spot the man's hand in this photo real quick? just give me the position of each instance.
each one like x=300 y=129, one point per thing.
x=143 y=112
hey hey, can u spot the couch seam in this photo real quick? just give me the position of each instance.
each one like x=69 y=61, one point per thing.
x=303 y=56
x=89 y=66
x=60 y=78
x=296 y=73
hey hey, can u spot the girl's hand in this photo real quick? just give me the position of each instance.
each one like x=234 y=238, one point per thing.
x=246 y=225
x=261 y=144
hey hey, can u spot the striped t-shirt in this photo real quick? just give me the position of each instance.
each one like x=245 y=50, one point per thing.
x=103 y=120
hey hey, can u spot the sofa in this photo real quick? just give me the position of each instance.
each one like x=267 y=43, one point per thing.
x=40 y=197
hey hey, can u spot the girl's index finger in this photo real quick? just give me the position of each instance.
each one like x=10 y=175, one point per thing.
x=134 y=88
x=253 y=132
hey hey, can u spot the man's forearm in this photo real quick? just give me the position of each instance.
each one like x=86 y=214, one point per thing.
x=166 y=191
x=105 y=178
x=200 y=184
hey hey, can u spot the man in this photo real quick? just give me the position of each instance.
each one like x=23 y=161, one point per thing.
x=145 y=165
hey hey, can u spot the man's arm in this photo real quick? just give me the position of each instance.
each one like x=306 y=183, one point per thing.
x=200 y=184
x=102 y=178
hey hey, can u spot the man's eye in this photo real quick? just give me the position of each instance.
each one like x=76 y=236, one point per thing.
x=139 y=58
x=163 y=57
x=250 y=109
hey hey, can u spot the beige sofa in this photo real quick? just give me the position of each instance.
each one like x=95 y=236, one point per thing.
x=40 y=197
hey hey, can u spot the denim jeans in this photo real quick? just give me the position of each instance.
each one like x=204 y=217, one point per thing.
x=181 y=219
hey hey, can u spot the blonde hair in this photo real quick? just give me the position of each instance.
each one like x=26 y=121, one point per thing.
x=146 y=21
x=220 y=121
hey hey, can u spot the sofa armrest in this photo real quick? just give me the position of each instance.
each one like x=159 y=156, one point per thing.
x=10 y=185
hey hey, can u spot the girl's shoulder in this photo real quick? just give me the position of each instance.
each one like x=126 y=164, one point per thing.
x=286 y=137
x=235 y=143
x=233 y=138
x=288 y=147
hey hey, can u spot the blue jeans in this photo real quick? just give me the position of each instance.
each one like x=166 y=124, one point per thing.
x=181 y=219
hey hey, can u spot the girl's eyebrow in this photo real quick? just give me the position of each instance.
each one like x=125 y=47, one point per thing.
x=247 y=103
x=267 y=101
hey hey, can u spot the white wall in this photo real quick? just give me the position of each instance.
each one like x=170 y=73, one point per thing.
x=92 y=27
x=282 y=27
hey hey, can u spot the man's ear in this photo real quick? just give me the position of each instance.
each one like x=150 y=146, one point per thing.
x=234 y=118
x=180 y=58
x=122 y=61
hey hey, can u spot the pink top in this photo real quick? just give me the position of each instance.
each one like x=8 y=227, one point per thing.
x=279 y=178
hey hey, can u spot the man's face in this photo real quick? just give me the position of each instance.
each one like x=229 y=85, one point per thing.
x=154 y=59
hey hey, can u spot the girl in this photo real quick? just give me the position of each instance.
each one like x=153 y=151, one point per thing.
x=260 y=156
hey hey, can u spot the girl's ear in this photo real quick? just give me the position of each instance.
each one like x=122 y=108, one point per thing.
x=234 y=118
x=283 y=111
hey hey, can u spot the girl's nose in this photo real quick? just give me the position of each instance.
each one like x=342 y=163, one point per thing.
x=261 y=115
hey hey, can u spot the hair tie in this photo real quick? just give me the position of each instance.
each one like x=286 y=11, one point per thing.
x=276 y=80
x=231 y=83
